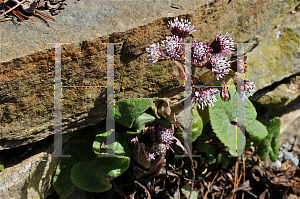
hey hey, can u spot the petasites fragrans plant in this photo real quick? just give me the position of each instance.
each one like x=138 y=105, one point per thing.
x=146 y=130
x=213 y=57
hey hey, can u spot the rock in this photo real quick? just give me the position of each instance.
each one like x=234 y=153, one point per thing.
x=29 y=179
x=288 y=156
x=83 y=21
x=275 y=52
x=280 y=155
x=26 y=71
x=289 y=146
x=278 y=164
x=295 y=160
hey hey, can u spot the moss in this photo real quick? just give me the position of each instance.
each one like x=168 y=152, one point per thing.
x=289 y=6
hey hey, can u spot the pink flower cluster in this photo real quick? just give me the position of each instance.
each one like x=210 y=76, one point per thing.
x=156 y=141
x=181 y=28
x=203 y=55
x=205 y=96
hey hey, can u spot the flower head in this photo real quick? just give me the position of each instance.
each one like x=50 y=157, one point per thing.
x=222 y=44
x=161 y=149
x=219 y=65
x=181 y=28
x=156 y=141
x=155 y=53
x=243 y=87
x=200 y=50
x=150 y=156
x=164 y=135
x=172 y=48
x=205 y=96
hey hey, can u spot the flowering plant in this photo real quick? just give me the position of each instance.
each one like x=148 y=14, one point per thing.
x=212 y=58
x=149 y=132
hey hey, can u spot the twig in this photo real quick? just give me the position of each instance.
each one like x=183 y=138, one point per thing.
x=5 y=19
x=244 y=175
x=44 y=15
x=29 y=148
x=24 y=15
x=12 y=8
x=193 y=169
x=144 y=188
x=211 y=184
x=239 y=180
x=235 y=177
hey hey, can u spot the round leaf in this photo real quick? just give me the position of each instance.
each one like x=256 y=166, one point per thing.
x=196 y=123
x=257 y=130
x=61 y=181
x=224 y=112
x=95 y=176
x=128 y=110
x=120 y=146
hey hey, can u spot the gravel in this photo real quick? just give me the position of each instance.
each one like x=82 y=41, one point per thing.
x=295 y=160
x=278 y=164
x=288 y=156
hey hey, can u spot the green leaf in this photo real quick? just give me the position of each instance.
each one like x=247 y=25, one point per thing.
x=204 y=114
x=95 y=176
x=235 y=152
x=223 y=159
x=1 y=164
x=270 y=145
x=142 y=120
x=274 y=127
x=128 y=110
x=257 y=130
x=200 y=142
x=80 y=150
x=223 y=116
x=210 y=154
x=196 y=126
x=120 y=146
x=186 y=191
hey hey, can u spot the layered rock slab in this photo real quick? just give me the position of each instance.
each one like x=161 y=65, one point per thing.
x=26 y=86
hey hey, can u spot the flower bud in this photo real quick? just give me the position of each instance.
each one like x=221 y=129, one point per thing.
x=225 y=96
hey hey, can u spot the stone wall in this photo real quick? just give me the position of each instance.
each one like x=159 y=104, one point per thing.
x=27 y=63
x=26 y=83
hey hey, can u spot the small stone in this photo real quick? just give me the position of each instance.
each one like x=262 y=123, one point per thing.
x=288 y=146
x=295 y=160
x=292 y=140
x=288 y=156
x=284 y=150
x=214 y=187
x=278 y=164
x=280 y=155
x=293 y=12
x=284 y=145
